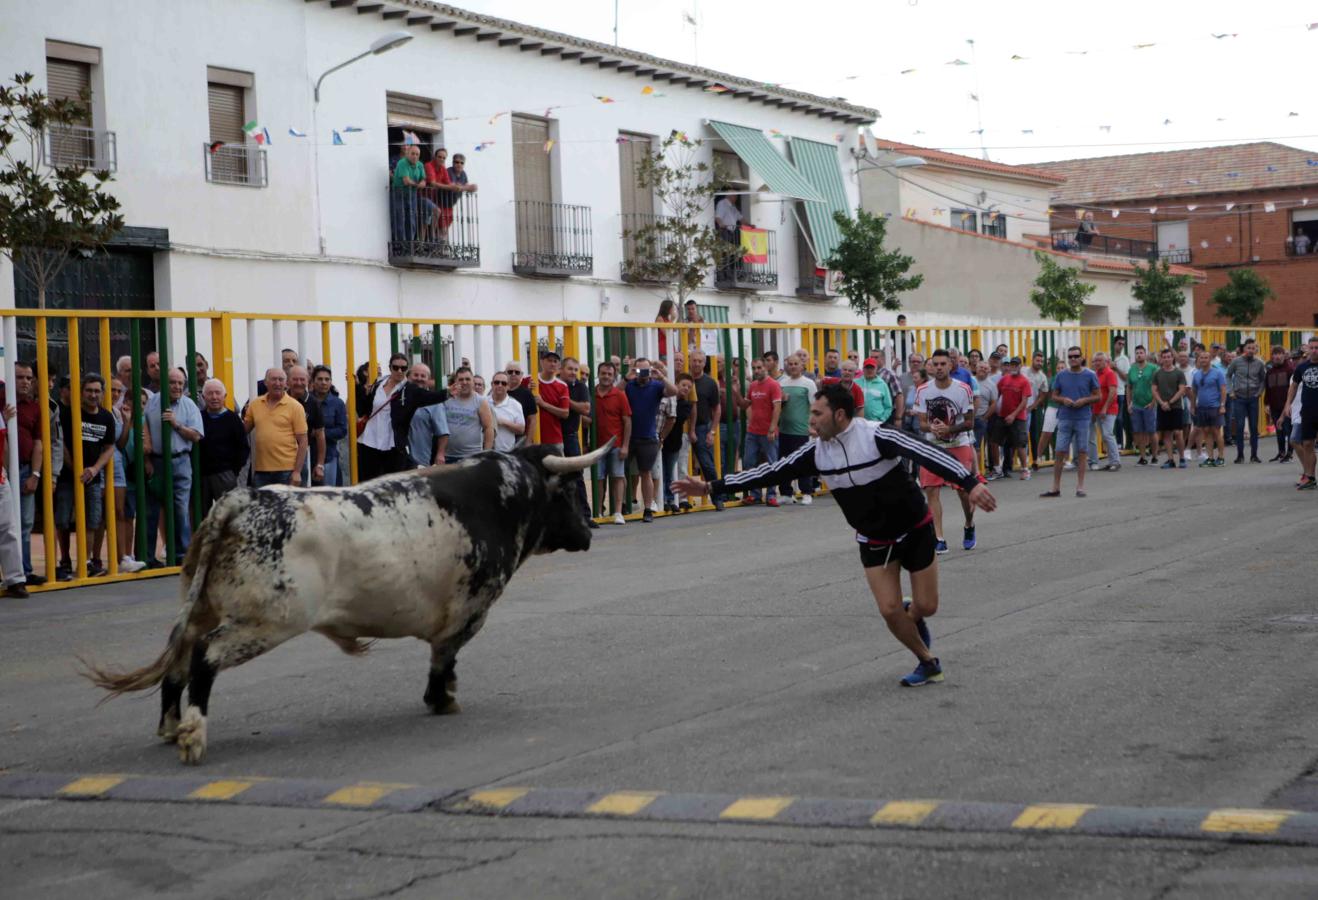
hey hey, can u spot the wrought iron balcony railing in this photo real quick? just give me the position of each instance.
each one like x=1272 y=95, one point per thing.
x=552 y=239
x=236 y=164
x=74 y=146
x=433 y=227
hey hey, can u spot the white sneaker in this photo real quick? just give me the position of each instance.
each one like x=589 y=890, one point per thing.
x=618 y=519
x=128 y=564
x=1185 y=455
x=1069 y=466
x=654 y=507
x=806 y=500
x=1025 y=474
x=1202 y=456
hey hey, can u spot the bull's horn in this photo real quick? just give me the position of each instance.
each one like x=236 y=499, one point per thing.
x=567 y=465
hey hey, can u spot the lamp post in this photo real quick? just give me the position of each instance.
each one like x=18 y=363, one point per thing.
x=901 y=162
x=383 y=44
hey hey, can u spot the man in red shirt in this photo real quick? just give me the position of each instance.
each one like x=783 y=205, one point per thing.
x=1105 y=415
x=613 y=419
x=1014 y=394
x=443 y=192
x=764 y=398
x=848 y=380
x=552 y=401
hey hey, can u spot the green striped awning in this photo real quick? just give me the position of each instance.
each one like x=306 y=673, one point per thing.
x=754 y=148
x=711 y=313
x=818 y=163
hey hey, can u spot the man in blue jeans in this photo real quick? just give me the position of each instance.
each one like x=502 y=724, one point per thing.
x=764 y=399
x=1075 y=390
x=700 y=427
x=173 y=426
x=1245 y=377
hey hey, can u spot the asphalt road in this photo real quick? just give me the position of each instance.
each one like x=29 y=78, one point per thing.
x=1146 y=648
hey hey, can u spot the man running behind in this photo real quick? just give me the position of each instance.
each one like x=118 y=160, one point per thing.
x=860 y=461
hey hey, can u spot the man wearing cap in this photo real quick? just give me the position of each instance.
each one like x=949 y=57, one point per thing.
x=878 y=396
x=1014 y=393
x=552 y=400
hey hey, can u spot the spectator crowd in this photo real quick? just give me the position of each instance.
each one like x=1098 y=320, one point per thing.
x=1001 y=415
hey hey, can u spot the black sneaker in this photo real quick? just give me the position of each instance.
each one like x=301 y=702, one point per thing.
x=34 y=578
x=1255 y=459
x=63 y=573
x=591 y=523
x=17 y=591
x=718 y=504
x=647 y=516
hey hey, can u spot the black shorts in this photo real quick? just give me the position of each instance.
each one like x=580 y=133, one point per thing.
x=1308 y=427
x=914 y=552
x=644 y=451
x=1171 y=419
x=1016 y=435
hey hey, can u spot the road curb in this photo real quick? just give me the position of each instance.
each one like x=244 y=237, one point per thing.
x=1265 y=826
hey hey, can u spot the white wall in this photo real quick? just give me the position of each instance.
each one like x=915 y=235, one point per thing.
x=257 y=249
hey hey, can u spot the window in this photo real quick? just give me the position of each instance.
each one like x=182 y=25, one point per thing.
x=994 y=224
x=229 y=158
x=532 y=174
x=421 y=117
x=71 y=75
x=965 y=219
x=1303 y=238
x=636 y=200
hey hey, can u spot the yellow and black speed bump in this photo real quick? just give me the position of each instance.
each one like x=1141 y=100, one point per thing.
x=1275 y=826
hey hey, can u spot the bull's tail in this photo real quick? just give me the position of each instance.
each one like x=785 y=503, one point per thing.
x=179 y=646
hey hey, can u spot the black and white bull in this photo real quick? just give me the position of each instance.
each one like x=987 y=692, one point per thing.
x=422 y=554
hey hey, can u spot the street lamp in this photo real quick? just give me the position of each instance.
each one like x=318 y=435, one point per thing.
x=380 y=45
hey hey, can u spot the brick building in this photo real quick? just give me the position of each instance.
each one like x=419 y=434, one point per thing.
x=1216 y=208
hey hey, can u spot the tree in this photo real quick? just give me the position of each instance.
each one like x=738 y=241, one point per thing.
x=1160 y=292
x=1058 y=293
x=47 y=212
x=1242 y=298
x=680 y=246
x=871 y=278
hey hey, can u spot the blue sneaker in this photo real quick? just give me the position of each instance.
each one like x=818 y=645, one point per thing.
x=930 y=672
x=941 y=547
x=1182 y=464
x=968 y=543
x=920 y=627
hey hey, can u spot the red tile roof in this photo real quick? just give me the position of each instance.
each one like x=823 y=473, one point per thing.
x=1179 y=173
x=957 y=161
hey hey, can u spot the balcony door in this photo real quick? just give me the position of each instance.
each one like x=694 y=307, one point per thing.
x=533 y=185
x=1174 y=240
x=636 y=202
x=74 y=143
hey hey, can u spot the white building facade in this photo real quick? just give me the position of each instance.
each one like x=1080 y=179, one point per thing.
x=300 y=223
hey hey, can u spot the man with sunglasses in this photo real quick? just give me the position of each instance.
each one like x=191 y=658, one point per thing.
x=519 y=388
x=1075 y=390
x=385 y=412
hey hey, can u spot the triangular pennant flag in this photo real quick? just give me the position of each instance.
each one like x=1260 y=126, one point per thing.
x=1232 y=174
x=1153 y=210
x=549 y=145
x=602 y=99
x=1027 y=131
x=1271 y=168
x=905 y=71
x=1269 y=207
x=1115 y=213
x=1107 y=128
x=1142 y=46
x=957 y=62
x=647 y=91
x=338 y=139
x=839 y=137
x=1291 y=115
x=1229 y=207
x=1192 y=207
x=350 y=129
x=1304 y=201
x=1312 y=162
x=293 y=132
x=266 y=132
x=1015 y=56
x=716 y=89
x=494 y=118
x=1192 y=181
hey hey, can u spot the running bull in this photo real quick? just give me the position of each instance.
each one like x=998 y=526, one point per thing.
x=422 y=554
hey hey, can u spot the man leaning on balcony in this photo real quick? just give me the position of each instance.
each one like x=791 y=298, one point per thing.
x=408 y=176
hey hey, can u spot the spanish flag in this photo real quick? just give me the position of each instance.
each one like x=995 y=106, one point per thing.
x=754 y=245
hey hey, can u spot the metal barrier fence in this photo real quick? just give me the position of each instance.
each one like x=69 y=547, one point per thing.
x=237 y=348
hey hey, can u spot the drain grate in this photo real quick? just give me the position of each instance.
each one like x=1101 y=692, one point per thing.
x=1297 y=619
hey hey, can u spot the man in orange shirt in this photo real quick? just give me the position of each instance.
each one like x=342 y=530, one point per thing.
x=278 y=425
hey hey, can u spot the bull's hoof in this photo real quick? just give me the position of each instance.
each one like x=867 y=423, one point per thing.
x=191 y=737
x=168 y=730
x=449 y=707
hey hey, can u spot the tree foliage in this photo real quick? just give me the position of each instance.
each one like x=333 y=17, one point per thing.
x=47 y=212
x=1058 y=293
x=1159 y=292
x=680 y=246
x=1242 y=298
x=872 y=278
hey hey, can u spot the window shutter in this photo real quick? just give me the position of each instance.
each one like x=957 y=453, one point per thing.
x=226 y=113
x=412 y=113
x=531 y=175
x=635 y=199
x=67 y=80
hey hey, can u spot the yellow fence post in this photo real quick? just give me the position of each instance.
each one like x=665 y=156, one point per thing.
x=350 y=399
x=326 y=354
x=48 y=474
x=533 y=372
x=108 y=501
x=75 y=405
x=373 y=355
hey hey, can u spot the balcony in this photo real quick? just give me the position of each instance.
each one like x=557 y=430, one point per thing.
x=644 y=249
x=1105 y=245
x=553 y=239
x=1301 y=248
x=236 y=164
x=76 y=147
x=736 y=273
x=432 y=228
x=811 y=283
x=1178 y=257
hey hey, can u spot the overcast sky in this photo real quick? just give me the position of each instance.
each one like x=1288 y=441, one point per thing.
x=1082 y=83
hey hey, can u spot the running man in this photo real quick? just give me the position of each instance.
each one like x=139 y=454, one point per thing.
x=861 y=463
x=946 y=411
